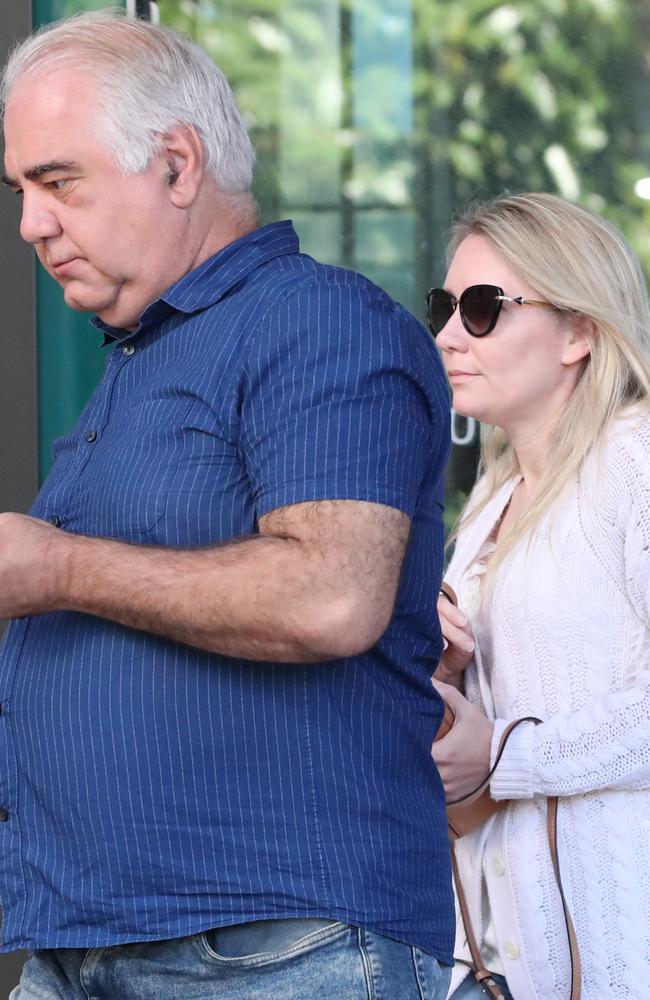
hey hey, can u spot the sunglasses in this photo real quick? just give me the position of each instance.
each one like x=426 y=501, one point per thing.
x=479 y=307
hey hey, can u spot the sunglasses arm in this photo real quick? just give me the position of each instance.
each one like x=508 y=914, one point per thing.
x=521 y=301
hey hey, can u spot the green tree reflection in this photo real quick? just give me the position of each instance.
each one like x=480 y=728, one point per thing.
x=376 y=120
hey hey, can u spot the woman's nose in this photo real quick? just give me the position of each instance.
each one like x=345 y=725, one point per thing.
x=453 y=335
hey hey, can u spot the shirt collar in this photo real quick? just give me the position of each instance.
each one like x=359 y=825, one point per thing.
x=213 y=279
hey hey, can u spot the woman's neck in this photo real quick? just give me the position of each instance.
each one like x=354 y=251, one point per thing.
x=532 y=445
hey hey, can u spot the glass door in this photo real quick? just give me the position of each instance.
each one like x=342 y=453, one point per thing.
x=376 y=120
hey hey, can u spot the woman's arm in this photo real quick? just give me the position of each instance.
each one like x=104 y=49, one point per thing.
x=606 y=744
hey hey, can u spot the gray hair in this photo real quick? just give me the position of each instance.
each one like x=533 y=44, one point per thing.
x=150 y=79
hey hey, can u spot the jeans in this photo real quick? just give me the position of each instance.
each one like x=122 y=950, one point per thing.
x=308 y=959
x=469 y=989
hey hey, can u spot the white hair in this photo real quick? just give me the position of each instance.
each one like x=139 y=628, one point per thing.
x=149 y=80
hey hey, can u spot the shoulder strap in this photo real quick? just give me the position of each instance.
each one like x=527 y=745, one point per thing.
x=480 y=789
x=482 y=975
x=574 y=951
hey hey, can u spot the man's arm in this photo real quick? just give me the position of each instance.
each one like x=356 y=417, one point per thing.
x=318 y=582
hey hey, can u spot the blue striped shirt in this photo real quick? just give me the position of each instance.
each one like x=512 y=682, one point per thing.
x=152 y=790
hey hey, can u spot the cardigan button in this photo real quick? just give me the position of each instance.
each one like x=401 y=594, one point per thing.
x=498 y=865
x=511 y=950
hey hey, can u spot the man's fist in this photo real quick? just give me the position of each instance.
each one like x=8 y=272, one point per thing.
x=32 y=566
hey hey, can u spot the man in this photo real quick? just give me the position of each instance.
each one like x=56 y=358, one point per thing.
x=217 y=716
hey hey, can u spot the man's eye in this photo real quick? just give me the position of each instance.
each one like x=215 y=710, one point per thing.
x=57 y=185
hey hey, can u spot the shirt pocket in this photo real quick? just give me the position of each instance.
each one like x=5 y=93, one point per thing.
x=123 y=490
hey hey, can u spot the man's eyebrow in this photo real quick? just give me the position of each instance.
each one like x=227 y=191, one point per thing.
x=41 y=169
x=53 y=166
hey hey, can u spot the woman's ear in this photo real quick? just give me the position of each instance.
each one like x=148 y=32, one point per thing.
x=580 y=337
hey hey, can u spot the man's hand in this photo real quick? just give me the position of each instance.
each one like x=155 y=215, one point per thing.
x=32 y=564
x=463 y=755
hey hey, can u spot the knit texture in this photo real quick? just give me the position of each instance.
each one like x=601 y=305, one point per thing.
x=564 y=635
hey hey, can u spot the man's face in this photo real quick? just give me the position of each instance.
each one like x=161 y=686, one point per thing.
x=110 y=241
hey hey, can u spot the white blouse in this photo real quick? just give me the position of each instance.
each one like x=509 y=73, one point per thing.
x=564 y=635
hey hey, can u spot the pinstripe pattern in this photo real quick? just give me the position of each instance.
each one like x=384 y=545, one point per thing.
x=155 y=790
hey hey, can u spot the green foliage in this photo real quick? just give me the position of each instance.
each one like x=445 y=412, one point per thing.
x=533 y=94
x=377 y=120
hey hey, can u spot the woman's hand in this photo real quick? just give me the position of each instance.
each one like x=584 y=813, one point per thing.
x=463 y=755
x=459 y=648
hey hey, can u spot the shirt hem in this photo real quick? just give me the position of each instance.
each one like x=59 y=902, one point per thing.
x=442 y=953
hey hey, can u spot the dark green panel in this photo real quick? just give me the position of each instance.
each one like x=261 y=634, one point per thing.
x=69 y=359
x=69 y=364
x=44 y=11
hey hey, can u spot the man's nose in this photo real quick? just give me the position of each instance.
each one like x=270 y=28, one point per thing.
x=38 y=221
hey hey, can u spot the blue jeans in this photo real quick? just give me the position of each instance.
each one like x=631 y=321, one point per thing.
x=289 y=959
x=469 y=989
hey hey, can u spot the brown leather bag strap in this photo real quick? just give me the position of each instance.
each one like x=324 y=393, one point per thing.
x=448 y=591
x=505 y=735
x=574 y=950
x=480 y=973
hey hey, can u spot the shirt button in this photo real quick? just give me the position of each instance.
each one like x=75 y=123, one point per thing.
x=511 y=950
x=91 y=436
x=55 y=521
x=498 y=865
x=128 y=351
x=4 y=815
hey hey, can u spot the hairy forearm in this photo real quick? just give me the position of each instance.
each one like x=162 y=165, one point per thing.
x=317 y=583
x=262 y=598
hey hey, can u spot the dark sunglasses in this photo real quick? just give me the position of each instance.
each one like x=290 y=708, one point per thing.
x=479 y=307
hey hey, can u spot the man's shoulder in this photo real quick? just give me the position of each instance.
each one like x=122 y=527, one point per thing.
x=308 y=271
x=303 y=278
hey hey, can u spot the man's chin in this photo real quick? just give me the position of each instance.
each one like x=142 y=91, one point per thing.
x=103 y=306
x=84 y=300
x=109 y=306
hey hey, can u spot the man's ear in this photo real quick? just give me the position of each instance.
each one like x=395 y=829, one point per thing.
x=579 y=341
x=185 y=163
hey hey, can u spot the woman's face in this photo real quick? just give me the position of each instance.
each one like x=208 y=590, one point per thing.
x=520 y=375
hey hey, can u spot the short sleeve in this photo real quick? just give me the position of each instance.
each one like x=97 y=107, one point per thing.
x=344 y=399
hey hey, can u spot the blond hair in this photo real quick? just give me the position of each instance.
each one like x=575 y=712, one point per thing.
x=581 y=264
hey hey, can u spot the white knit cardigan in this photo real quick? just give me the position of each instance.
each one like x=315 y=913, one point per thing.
x=565 y=636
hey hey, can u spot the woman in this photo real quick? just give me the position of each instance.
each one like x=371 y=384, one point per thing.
x=544 y=329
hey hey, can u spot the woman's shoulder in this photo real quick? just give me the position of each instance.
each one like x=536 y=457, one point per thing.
x=626 y=444
x=617 y=471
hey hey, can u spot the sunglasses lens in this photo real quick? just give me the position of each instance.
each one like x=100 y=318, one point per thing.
x=480 y=306
x=441 y=306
